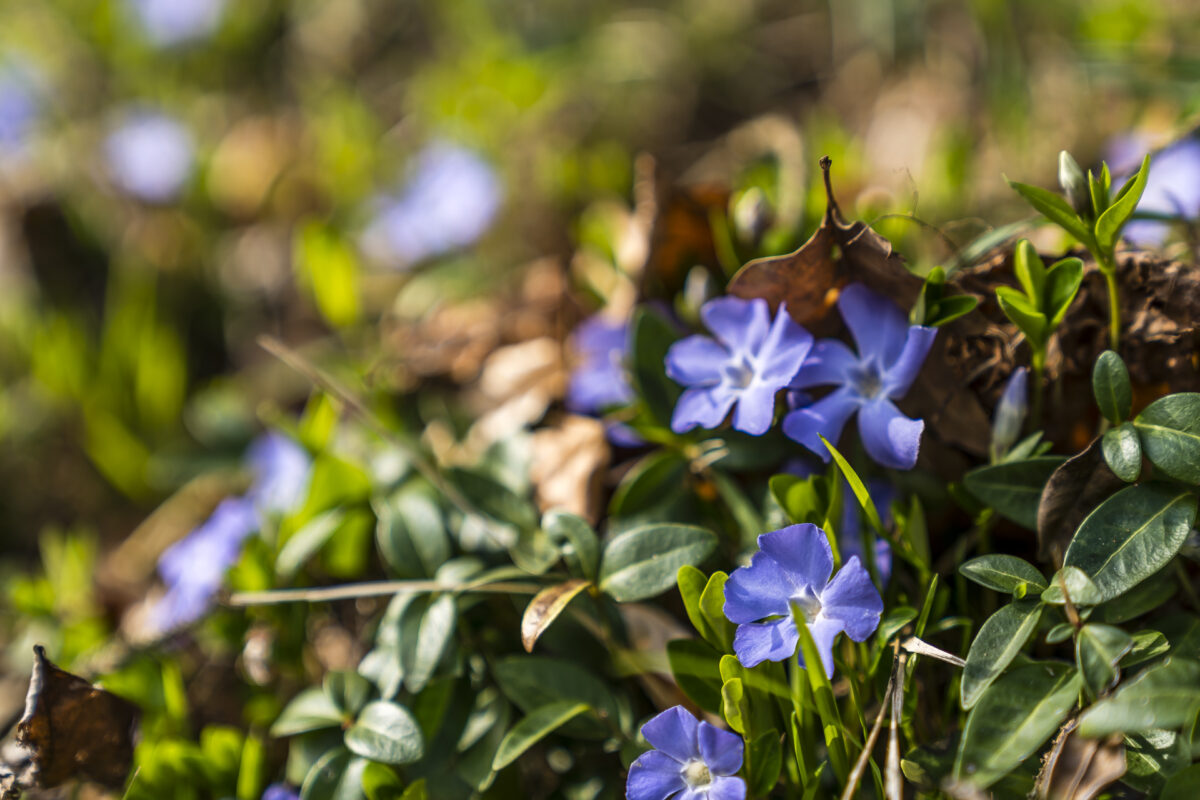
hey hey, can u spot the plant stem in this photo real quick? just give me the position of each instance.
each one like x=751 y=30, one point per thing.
x=1109 y=268
x=1038 y=362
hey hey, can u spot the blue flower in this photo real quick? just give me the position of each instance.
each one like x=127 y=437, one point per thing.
x=750 y=360
x=793 y=566
x=280 y=791
x=599 y=380
x=447 y=204
x=194 y=567
x=1010 y=412
x=1172 y=187
x=692 y=761
x=19 y=109
x=149 y=156
x=167 y=23
x=890 y=354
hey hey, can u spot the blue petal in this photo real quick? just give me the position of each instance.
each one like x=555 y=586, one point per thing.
x=703 y=406
x=826 y=417
x=757 y=591
x=853 y=600
x=696 y=360
x=824 y=630
x=755 y=409
x=674 y=732
x=740 y=324
x=654 y=776
x=784 y=350
x=756 y=642
x=830 y=362
x=876 y=323
x=726 y=788
x=889 y=437
x=803 y=552
x=720 y=750
x=899 y=376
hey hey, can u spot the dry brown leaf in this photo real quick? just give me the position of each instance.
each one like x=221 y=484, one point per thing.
x=1079 y=769
x=545 y=607
x=1074 y=489
x=568 y=465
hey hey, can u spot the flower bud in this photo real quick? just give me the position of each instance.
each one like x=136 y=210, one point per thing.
x=1010 y=412
x=1075 y=185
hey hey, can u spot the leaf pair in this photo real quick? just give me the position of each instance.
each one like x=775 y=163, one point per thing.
x=1047 y=293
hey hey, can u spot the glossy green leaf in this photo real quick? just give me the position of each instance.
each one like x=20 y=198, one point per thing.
x=734 y=707
x=1014 y=488
x=948 y=309
x=1079 y=587
x=1030 y=271
x=533 y=728
x=1098 y=650
x=1111 y=387
x=1062 y=283
x=1147 y=645
x=380 y=782
x=1003 y=573
x=1022 y=313
x=691 y=583
x=308 y=711
x=1054 y=208
x=650 y=338
x=1110 y=223
x=434 y=635
x=653 y=479
x=712 y=606
x=347 y=690
x=1132 y=535
x=1123 y=452
x=565 y=527
x=304 y=543
x=998 y=642
x=643 y=562
x=337 y=775
x=411 y=533
x=1165 y=695
x=696 y=668
x=800 y=498
x=1012 y=719
x=386 y=732
x=1170 y=432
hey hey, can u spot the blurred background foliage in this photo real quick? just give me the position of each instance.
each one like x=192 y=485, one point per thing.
x=178 y=177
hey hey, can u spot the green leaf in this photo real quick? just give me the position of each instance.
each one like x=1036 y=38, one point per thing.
x=652 y=480
x=1170 y=432
x=822 y=691
x=347 y=690
x=1021 y=311
x=1110 y=223
x=764 y=763
x=800 y=498
x=999 y=641
x=1151 y=756
x=304 y=543
x=531 y=682
x=858 y=487
x=386 y=732
x=696 y=668
x=1080 y=588
x=1098 y=650
x=1132 y=535
x=1012 y=719
x=411 y=533
x=1183 y=785
x=533 y=728
x=1123 y=452
x=1110 y=385
x=1053 y=208
x=691 y=583
x=734 y=707
x=1147 y=645
x=1062 y=283
x=1098 y=193
x=712 y=606
x=330 y=268
x=1003 y=573
x=1014 y=488
x=380 y=782
x=650 y=338
x=337 y=775
x=1162 y=696
x=951 y=308
x=434 y=635
x=1030 y=271
x=563 y=526
x=308 y=711
x=643 y=562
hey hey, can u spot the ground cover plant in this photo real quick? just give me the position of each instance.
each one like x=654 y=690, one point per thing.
x=438 y=404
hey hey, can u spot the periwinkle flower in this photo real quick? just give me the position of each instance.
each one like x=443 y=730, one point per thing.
x=149 y=155
x=599 y=380
x=792 y=567
x=280 y=791
x=1010 y=411
x=749 y=361
x=1172 y=188
x=890 y=354
x=194 y=567
x=692 y=760
x=449 y=202
x=168 y=23
x=19 y=110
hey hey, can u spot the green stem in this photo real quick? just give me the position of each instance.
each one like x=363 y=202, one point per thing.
x=1109 y=268
x=1038 y=362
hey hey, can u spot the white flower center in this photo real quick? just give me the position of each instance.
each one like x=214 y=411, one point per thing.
x=696 y=773
x=808 y=603
x=739 y=372
x=866 y=379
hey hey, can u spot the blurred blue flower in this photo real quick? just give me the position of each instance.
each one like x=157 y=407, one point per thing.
x=19 y=110
x=1173 y=187
x=750 y=360
x=890 y=354
x=167 y=23
x=1009 y=415
x=793 y=566
x=692 y=760
x=599 y=380
x=149 y=155
x=194 y=567
x=280 y=791
x=448 y=202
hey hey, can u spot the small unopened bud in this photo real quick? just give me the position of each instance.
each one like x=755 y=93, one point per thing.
x=1075 y=185
x=752 y=214
x=1010 y=412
